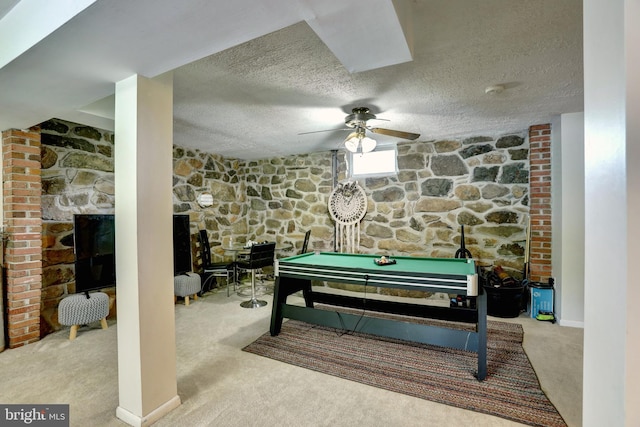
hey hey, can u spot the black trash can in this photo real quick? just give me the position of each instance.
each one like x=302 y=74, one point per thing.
x=504 y=301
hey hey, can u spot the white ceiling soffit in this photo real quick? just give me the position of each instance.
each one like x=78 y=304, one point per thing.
x=111 y=40
x=80 y=62
x=343 y=27
x=6 y=6
x=33 y=20
x=362 y=35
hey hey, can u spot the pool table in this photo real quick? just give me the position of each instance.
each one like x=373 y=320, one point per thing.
x=450 y=275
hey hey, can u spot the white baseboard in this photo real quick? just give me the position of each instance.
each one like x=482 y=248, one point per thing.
x=571 y=323
x=150 y=418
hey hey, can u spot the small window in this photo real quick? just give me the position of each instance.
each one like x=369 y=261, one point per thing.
x=379 y=162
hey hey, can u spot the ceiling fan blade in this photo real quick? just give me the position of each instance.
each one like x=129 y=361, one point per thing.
x=396 y=133
x=326 y=130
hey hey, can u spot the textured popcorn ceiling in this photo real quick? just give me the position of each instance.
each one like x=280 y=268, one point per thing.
x=254 y=96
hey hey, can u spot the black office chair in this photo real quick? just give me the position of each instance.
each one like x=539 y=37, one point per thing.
x=212 y=270
x=305 y=244
x=261 y=255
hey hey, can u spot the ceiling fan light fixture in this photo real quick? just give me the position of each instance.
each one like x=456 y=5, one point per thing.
x=358 y=142
x=367 y=144
x=352 y=142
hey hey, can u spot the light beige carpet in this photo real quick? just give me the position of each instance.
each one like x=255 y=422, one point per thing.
x=221 y=385
x=444 y=375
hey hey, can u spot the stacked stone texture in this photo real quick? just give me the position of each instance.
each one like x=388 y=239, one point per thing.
x=77 y=178
x=480 y=182
x=77 y=170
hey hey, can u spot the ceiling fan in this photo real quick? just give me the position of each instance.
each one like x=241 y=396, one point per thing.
x=358 y=141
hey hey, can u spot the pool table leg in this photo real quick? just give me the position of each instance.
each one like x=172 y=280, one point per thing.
x=306 y=293
x=284 y=287
x=482 y=335
x=276 y=310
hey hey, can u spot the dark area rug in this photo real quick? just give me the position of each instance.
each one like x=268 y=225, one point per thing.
x=511 y=389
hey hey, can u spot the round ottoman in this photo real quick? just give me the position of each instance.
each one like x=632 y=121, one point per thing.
x=78 y=309
x=185 y=285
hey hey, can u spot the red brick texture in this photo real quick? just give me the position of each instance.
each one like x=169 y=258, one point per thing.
x=540 y=202
x=22 y=189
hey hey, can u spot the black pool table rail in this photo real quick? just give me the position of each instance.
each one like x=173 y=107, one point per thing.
x=425 y=311
x=428 y=282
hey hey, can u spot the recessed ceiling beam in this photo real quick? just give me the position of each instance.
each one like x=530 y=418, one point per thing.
x=362 y=35
x=29 y=22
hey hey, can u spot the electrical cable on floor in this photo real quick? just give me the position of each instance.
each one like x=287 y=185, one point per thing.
x=364 y=309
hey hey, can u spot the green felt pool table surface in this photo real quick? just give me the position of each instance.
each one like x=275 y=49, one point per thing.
x=457 y=276
x=447 y=266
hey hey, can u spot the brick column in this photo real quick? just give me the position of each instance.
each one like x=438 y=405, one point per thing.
x=22 y=189
x=540 y=202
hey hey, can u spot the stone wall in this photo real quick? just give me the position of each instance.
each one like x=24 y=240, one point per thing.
x=480 y=182
x=77 y=178
x=195 y=172
x=276 y=199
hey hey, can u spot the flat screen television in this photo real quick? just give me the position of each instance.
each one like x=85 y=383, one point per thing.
x=181 y=245
x=95 y=249
x=94 y=240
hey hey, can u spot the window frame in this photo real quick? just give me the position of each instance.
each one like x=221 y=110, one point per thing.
x=379 y=149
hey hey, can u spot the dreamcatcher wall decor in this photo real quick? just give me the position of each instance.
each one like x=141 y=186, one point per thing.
x=347 y=207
